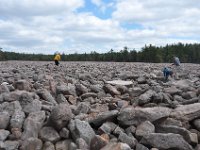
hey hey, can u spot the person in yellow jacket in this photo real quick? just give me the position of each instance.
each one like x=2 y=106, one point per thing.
x=57 y=59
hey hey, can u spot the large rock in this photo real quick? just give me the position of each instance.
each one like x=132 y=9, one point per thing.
x=165 y=141
x=49 y=134
x=17 y=119
x=102 y=117
x=81 y=89
x=3 y=134
x=191 y=138
x=33 y=124
x=186 y=112
x=111 y=89
x=4 y=120
x=66 y=90
x=23 y=85
x=60 y=116
x=46 y=95
x=10 y=145
x=31 y=144
x=34 y=106
x=146 y=97
x=130 y=140
x=145 y=128
x=81 y=129
x=135 y=116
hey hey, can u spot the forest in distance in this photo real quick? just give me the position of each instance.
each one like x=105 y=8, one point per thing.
x=188 y=53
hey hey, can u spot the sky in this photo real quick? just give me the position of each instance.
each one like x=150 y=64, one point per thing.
x=79 y=26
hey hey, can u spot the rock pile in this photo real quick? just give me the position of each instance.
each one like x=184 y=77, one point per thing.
x=87 y=105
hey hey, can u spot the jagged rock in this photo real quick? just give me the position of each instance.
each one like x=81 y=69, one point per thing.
x=33 y=124
x=66 y=90
x=82 y=108
x=98 y=142
x=131 y=129
x=61 y=99
x=130 y=140
x=166 y=141
x=146 y=97
x=189 y=95
x=31 y=144
x=4 y=89
x=134 y=116
x=48 y=146
x=81 y=89
x=22 y=85
x=34 y=106
x=171 y=122
x=81 y=144
x=111 y=89
x=49 y=134
x=141 y=80
x=136 y=91
x=107 y=127
x=116 y=146
x=144 y=128
x=60 y=116
x=81 y=129
x=17 y=119
x=173 y=91
x=10 y=145
x=46 y=95
x=102 y=117
x=3 y=134
x=4 y=120
x=186 y=112
x=191 y=138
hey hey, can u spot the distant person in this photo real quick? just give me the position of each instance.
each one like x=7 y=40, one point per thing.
x=167 y=72
x=57 y=59
x=176 y=61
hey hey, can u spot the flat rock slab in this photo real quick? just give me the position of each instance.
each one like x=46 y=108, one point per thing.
x=120 y=82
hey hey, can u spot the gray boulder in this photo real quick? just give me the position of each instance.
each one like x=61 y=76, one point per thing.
x=81 y=129
x=130 y=140
x=46 y=95
x=60 y=116
x=4 y=119
x=49 y=134
x=111 y=89
x=31 y=144
x=17 y=119
x=135 y=116
x=144 y=128
x=186 y=112
x=166 y=141
x=146 y=97
x=4 y=134
x=103 y=117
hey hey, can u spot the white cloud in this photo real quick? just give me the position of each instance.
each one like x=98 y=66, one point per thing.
x=47 y=25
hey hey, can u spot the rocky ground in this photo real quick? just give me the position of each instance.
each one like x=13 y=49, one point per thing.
x=75 y=106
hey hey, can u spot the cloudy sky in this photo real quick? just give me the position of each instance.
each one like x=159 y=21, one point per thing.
x=69 y=26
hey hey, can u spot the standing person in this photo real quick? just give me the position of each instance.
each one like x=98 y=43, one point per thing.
x=176 y=61
x=167 y=72
x=177 y=67
x=57 y=59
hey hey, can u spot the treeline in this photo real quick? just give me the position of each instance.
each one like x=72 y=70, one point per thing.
x=188 y=53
